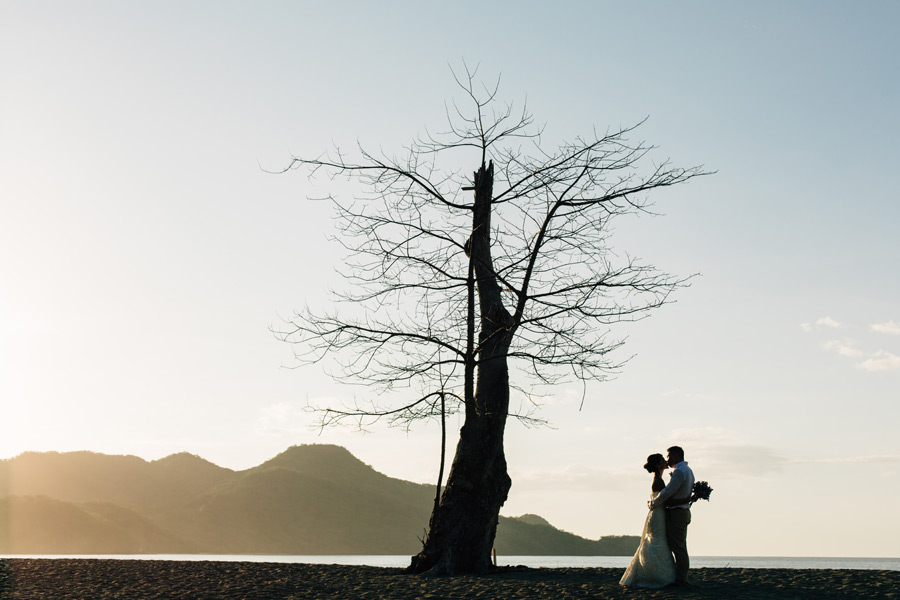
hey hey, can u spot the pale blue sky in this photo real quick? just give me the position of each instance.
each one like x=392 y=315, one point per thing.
x=144 y=252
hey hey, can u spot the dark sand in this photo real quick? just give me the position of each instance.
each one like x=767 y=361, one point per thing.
x=61 y=579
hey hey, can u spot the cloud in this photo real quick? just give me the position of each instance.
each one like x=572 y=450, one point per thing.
x=278 y=419
x=736 y=461
x=879 y=361
x=844 y=349
x=576 y=478
x=889 y=327
x=824 y=322
x=882 y=361
x=844 y=460
x=724 y=454
x=828 y=322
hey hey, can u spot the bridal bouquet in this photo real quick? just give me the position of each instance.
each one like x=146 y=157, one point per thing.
x=702 y=491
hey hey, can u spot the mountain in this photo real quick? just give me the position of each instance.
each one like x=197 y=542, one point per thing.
x=128 y=481
x=531 y=535
x=308 y=500
x=315 y=499
x=40 y=525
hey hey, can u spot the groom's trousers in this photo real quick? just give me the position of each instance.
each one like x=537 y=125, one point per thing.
x=677 y=521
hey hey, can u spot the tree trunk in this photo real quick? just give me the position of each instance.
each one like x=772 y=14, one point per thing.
x=462 y=529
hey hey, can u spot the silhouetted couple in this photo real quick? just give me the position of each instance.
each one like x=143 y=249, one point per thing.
x=665 y=529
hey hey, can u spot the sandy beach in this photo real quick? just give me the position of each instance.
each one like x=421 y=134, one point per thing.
x=95 y=579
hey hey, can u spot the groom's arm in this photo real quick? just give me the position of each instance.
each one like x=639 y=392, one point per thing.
x=668 y=491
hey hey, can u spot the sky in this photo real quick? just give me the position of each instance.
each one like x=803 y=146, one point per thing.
x=146 y=251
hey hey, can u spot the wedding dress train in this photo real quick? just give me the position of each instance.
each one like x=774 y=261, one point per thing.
x=652 y=565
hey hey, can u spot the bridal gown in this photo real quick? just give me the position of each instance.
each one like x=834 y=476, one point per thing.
x=652 y=565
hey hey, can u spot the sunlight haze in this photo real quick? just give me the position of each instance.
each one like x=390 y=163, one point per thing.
x=146 y=250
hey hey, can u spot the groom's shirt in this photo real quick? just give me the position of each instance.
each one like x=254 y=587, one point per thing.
x=681 y=485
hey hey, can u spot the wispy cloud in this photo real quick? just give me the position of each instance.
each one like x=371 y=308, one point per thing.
x=823 y=323
x=715 y=454
x=743 y=460
x=889 y=327
x=842 y=348
x=282 y=418
x=724 y=454
x=576 y=478
x=881 y=361
x=848 y=460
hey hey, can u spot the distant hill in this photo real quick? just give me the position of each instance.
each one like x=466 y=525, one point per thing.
x=128 y=481
x=40 y=525
x=315 y=499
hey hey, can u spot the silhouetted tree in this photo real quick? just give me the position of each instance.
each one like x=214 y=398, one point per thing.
x=455 y=281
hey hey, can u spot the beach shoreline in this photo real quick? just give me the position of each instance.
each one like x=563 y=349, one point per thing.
x=106 y=579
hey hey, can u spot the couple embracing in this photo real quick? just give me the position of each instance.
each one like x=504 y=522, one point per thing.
x=665 y=530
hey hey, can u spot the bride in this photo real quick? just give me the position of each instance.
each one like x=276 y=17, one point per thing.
x=652 y=565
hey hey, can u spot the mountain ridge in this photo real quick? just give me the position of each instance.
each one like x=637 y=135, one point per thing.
x=309 y=499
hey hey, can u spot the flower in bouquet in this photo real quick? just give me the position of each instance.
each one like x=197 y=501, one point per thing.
x=701 y=491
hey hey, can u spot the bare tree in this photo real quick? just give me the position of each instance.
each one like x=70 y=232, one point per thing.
x=453 y=282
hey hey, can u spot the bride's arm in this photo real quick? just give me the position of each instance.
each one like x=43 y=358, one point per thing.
x=674 y=483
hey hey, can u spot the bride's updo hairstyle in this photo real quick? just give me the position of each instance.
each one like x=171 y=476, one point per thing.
x=652 y=461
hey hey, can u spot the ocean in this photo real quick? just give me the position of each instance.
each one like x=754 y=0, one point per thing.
x=614 y=562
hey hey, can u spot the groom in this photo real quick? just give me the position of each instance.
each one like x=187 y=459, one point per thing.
x=676 y=497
